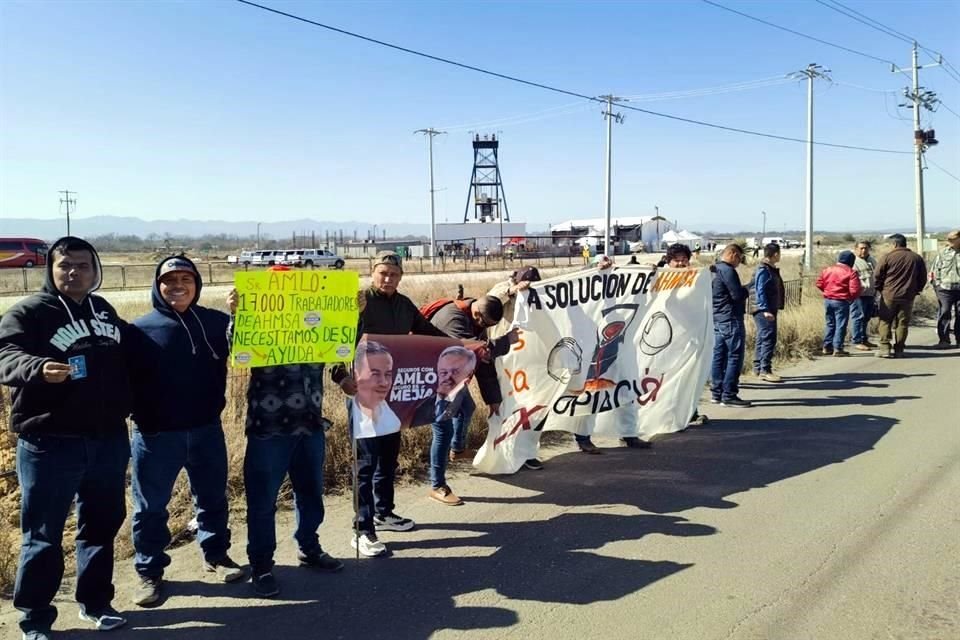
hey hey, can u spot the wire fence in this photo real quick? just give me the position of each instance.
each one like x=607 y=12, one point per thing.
x=140 y=276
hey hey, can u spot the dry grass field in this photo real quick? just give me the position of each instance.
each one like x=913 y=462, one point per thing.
x=800 y=334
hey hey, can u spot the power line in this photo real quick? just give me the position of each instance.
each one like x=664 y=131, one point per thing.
x=707 y=91
x=942 y=169
x=863 y=19
x=857 y=86
x=796 y=33
x=941 y=104
x=852 y=13
x=573 y=107
x=554 y=89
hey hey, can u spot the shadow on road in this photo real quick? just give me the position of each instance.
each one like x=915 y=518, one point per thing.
x=831 y=401
x=553 y=561
x=846 y=381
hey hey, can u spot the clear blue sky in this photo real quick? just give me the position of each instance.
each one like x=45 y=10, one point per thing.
x=216 y=110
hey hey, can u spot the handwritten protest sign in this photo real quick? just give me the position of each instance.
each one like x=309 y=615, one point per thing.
x=294 y=317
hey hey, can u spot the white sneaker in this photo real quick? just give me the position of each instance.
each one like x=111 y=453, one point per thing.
x=369 y=545
x=106 y=620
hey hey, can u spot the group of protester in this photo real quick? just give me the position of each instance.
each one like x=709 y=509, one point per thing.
x=78 y=371
x=856 y=288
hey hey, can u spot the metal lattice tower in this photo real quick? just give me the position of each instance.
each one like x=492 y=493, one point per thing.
x=486 y=185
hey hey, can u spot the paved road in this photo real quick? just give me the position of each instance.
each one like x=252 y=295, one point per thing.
x=828 y=511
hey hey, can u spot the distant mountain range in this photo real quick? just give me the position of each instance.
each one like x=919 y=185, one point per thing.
x=49 y=229
x=103 y=225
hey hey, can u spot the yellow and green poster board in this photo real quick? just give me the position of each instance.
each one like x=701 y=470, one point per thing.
x=295 y=317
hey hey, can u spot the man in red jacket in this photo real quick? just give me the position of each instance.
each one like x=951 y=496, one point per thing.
x=840 y=285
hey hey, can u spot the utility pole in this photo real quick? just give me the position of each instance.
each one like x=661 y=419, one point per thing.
x=430 y=133
x=258 y=234
x=919 y=98
x=67 y=200
x=764 y=231
x=610 y=116
x=812 y=72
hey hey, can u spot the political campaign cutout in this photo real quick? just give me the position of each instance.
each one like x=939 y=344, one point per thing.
x=401 y=380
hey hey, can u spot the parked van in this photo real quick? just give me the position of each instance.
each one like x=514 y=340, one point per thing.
x=22 y=252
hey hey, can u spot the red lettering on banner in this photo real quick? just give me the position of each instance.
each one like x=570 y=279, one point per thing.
x=523 y=422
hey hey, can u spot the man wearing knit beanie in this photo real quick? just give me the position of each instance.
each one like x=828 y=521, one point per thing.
x=840 y=285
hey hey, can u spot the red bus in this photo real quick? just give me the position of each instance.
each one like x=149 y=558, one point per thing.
x=22 y=252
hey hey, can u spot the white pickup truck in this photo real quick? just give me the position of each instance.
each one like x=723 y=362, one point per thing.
x=314 y=258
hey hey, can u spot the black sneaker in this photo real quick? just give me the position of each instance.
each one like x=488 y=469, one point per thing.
x=715 y=400
x=393 y=522
x=636 y=443
x=735 y=401
x=226 y=569
x=36 y=635
x=106 y=619
x=147 y=591
x=265 y=585
x=319 y=560
x=533 y=465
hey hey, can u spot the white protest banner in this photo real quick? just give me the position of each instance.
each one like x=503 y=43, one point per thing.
x=618 y=352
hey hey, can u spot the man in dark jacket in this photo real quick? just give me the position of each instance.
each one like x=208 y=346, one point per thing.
x=182 y=350
x=729 y=307
x=899 y=279
x=385 y=311
x=60 y=351
x=467 y=319
x=770 y=293
x=286 y=435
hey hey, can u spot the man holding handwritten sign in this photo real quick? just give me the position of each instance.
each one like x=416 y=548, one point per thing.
x=285 y=325
x=294 y=317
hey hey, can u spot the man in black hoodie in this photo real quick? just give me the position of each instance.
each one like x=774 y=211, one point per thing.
x=60 y=351
x=182 y=349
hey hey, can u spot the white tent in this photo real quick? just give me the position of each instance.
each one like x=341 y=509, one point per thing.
x=683 y=237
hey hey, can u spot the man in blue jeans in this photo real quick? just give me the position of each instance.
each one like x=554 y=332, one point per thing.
x=286 y=435
x=729 y=307
x=468 y=319
x=769 y=290
x=862 y=309
x=840 y=285
x=179 y=392
x=454 y=367
x=61 y=352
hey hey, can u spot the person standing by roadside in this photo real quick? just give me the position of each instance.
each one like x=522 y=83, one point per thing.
x=506 y=291
x=840 y=286
x=729 y=307
x=899 y=279
x=945 y=276
x=678 y=257
x=61 y=352
x=178 y=398
x=286 y=436
x=389 y=312
x=770 y=296
x=862 y=309
x=469 y=320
